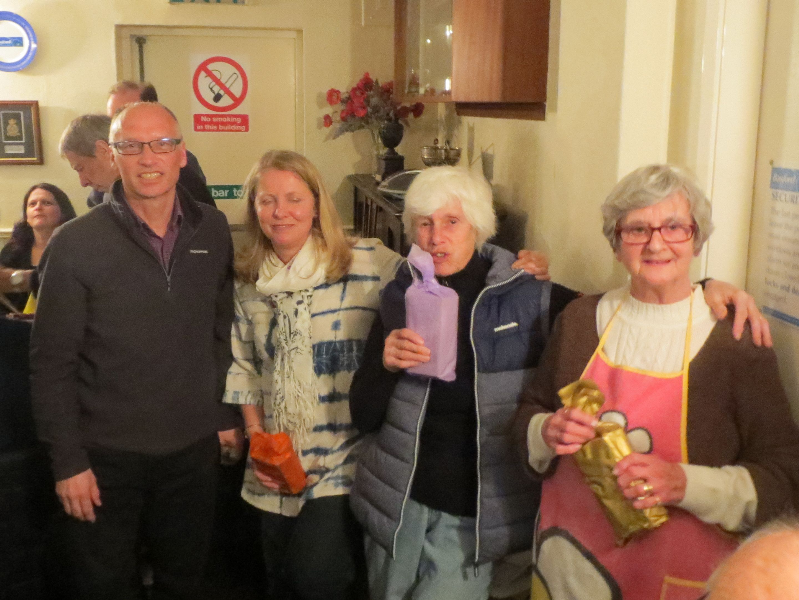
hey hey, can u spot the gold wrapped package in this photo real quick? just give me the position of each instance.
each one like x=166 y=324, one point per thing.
x=596 y=460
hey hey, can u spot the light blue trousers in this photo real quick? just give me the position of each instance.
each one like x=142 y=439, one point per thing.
x=435 y=559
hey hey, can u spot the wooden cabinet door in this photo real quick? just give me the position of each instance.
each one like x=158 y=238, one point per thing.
x=500 y=50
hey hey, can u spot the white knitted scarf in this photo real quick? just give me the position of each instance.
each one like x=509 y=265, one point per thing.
x=289 y=289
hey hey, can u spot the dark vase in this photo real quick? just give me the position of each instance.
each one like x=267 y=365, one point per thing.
x=391 y=136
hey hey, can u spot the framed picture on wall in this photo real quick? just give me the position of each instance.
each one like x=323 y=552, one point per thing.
x=20 y=133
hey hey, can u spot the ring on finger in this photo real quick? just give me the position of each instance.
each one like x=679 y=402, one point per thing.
x=646 y=489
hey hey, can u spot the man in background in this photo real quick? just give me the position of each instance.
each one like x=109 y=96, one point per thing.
x=84 y=144
x=764 y=567
x=129 y=353
x=192 y=177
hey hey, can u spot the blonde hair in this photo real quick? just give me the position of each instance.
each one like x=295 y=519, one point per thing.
x=327 y=228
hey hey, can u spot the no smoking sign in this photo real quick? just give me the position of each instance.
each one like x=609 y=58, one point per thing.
x=220 y=84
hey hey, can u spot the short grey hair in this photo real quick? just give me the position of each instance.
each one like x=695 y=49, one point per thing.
x=81 y=134
x=437 y=186
x=646 y=186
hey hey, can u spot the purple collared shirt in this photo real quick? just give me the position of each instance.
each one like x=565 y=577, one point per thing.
x=163 y=246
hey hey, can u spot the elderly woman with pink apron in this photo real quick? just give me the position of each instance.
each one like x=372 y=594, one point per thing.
x=708 y=420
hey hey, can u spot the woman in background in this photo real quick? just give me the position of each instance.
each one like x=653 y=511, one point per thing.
x=44 y=208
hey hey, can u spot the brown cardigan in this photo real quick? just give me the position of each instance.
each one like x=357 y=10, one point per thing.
x=738 y=413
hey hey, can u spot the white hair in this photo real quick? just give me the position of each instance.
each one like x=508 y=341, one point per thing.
x=438 y=186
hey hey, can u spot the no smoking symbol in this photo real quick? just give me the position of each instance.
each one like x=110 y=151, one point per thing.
x=220 y=84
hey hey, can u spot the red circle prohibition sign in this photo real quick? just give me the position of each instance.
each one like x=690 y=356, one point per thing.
x=204 y=69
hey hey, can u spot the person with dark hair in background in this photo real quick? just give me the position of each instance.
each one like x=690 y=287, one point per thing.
x=44 y=208
x=127 y=92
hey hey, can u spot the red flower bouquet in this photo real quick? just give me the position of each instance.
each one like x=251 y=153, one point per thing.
x=368 y=105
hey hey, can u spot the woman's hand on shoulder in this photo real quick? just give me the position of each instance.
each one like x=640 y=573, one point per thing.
x=534 y=263
x=404 y=349
x=567 y=429
x=649 y=481
x=718 y=294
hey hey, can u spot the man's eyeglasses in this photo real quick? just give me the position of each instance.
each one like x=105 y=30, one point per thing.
x=673 y=233
x=161 y=146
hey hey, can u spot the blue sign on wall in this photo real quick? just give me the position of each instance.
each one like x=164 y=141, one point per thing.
x=17 y=42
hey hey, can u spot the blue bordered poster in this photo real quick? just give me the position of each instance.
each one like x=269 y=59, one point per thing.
x=781 y=276
x=17 y=42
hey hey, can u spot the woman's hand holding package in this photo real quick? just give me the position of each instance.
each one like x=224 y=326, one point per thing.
x=567 y=429
x=270 y=482
x=650 y=481
x=404 y=349
x=275 y=484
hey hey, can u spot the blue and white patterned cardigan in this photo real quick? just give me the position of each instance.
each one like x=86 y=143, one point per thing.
x=341 y=316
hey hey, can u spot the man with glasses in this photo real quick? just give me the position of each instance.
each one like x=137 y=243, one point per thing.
x=84 y=144
x=129 y=353
x=192 y=177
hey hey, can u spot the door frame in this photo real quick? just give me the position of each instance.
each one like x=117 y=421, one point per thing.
x=127 y=57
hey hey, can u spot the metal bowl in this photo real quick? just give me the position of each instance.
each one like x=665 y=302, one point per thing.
x=452 y=156
x=433 y=156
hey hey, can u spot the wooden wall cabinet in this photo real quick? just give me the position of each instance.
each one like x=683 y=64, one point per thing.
x=489 y=57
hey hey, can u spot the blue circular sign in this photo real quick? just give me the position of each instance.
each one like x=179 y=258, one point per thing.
x=17 y=42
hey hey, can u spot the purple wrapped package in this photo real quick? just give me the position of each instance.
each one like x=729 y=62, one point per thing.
x=431 y=310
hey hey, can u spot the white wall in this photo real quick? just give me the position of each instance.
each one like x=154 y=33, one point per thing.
x=778 y=144
x=557 y=172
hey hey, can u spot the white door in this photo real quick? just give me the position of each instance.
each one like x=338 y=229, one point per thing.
x=235 y=93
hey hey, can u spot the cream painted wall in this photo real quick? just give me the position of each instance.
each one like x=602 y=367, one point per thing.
x=75 y=65
x=778 y=144
x=687 y=93
x=557 y=172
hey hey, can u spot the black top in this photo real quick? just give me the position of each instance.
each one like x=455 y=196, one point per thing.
x=13 y=257
x=446 y=473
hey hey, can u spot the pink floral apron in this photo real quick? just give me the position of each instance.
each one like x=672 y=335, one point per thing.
x=577 y=556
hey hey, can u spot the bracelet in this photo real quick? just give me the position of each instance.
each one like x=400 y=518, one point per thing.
x=248 y=427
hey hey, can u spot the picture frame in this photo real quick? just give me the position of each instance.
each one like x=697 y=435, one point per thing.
x=20 y=133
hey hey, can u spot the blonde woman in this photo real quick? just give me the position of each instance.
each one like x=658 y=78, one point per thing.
x=305 y=299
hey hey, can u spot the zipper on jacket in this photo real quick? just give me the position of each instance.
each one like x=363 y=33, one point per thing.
x=168 y=277
x=413 y=469
x=477 y=412
x=174 y=259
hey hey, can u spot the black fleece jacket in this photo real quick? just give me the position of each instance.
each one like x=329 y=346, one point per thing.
x=127 y=355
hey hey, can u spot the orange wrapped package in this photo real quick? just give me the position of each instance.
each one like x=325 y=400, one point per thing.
x=276 y=457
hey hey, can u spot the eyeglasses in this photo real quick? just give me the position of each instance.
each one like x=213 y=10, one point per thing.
x=161 y=146
x=672 y=233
